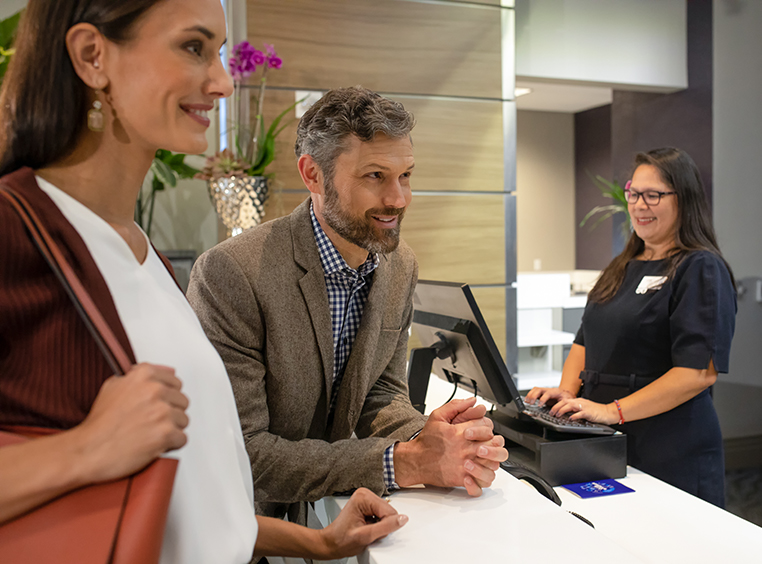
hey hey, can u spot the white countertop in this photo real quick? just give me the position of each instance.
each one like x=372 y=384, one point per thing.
x=511 y=522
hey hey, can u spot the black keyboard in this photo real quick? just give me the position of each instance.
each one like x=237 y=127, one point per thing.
x=541 y=414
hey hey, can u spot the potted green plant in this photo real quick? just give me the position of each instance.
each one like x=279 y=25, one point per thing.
x=615 y=192
x=167 y=167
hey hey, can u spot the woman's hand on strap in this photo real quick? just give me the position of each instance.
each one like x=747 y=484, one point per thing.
x=546 y=394
x=135 y=418
x=578 y=408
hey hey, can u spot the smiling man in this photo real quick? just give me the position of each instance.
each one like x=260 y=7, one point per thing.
x=311 y=312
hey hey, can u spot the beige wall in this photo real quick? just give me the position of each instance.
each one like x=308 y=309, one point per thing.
x=545 y=190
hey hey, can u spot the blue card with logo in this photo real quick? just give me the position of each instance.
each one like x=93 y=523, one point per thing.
x=598 y=488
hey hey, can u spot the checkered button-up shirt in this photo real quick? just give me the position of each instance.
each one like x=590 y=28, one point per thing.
x=348 y=291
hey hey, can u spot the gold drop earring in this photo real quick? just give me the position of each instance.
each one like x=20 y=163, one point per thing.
x=95 y=115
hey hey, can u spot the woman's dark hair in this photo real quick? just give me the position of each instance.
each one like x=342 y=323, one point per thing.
x=43 y=103
x=694 y=224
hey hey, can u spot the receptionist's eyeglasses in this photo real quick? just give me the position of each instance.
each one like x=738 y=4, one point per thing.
x=650 y=197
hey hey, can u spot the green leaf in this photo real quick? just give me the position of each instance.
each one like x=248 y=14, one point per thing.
x=163 y=173
x=277 y=120
x=607 y=212
x=175 y=159
x=612 y=191
x=156 y=186
x=266 y=150
x=163 y=155
x=184 y=171
x=267 y=156
x=8 y=28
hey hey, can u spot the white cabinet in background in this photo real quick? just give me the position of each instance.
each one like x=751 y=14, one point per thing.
x=541 y=299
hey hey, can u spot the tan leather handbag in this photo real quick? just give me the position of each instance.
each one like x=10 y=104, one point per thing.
x=119 y=522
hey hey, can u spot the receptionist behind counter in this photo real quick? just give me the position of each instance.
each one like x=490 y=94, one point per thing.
x=656 y=331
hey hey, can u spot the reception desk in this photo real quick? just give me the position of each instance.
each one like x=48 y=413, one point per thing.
x=511 y=522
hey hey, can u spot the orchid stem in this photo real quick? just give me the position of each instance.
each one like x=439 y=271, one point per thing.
x=253 y=150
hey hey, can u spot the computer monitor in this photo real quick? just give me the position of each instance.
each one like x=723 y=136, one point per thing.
x=457 y=346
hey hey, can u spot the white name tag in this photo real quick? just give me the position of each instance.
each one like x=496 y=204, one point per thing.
x=650 y=283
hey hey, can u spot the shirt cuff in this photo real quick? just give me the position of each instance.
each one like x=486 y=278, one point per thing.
x=391 y=485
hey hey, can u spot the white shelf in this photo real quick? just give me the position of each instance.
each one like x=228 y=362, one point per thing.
x=574 y=302
x=529 y=380
x=544 y=338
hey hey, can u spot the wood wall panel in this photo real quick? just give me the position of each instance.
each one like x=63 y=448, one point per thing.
x=458 y=145
x=388 y=46
x=282 y=203
x=457 y=238
x=284 y=165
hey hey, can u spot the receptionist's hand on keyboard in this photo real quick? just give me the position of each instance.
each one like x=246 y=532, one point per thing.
x=544 y=395
x=450 y=454
x=578 y=408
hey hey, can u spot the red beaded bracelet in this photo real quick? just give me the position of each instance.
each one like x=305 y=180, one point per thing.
x=619 y=408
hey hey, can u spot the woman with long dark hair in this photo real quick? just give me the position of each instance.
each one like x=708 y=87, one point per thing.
x=656 y=331
x=94 y=89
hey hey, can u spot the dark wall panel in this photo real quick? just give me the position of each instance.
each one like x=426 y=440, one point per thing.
x=592 y=153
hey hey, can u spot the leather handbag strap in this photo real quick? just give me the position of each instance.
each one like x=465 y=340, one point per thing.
x=112 y=350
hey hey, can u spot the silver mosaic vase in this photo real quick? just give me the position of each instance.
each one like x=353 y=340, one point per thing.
x=239 y=201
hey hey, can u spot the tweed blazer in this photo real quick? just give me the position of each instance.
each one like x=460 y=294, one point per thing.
x=262 y=300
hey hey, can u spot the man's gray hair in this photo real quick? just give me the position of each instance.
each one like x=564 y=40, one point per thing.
x=325 y=127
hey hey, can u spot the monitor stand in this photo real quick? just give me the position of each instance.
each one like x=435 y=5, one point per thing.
x=419 y=370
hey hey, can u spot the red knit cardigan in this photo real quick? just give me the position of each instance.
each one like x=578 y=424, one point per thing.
x=50 y=367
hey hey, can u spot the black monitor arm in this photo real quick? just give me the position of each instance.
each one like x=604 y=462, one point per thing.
x=419 y=369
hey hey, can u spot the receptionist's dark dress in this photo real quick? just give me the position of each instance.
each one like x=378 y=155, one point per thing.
x=639 y=335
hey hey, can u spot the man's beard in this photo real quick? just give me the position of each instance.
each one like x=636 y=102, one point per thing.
x=359 y=230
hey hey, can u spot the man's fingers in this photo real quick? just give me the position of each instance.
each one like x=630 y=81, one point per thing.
x=476 y=431
x=496 y=454
x=472 y=413
x=452 y=409
x=493 y=465
x=472 y=487
x=480 y=473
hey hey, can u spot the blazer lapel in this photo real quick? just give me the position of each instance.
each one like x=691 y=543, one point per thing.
x=313 y=288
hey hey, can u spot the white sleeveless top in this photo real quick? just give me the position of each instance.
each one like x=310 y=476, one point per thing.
x=211 y=514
